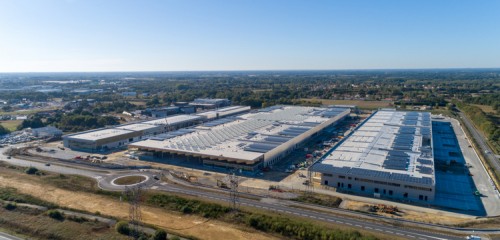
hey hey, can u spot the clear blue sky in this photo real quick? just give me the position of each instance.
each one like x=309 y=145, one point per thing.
x=177 y=35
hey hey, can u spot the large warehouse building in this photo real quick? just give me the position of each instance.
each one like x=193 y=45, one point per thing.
x=118 y=136
x=108 y=138
x=390 y=155
x=248 y=141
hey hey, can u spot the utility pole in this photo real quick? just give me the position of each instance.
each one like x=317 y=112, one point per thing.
x=234 y=195
x=309 y=186
x=134 y=198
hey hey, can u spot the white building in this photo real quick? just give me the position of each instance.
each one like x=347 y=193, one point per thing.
x=119 y=136
x=248 y=141
x=390 y=156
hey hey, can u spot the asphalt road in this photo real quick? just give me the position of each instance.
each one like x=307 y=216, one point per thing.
x=480 y=139
x=301 y=212
x=5 y=236
x=105 y=179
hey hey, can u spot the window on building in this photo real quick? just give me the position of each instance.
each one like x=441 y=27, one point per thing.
x=425 y=198
x=420 y=197
x=349 y=186
x=390 y=192
x=405 y=195
x=362 y=188
x=326 y=182
x=338 y=184
x=376 y=190
x=384 y=191
x=130 y=139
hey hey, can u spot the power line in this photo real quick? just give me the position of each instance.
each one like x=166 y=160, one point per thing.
x=133 y=194
x=234 y=194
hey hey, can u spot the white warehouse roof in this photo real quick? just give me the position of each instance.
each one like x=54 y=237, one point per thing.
x=248 y=137
x=390 y=144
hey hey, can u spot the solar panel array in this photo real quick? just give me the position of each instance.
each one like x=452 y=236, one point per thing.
x=218 y=122
x=403 y=141
x=211 y=138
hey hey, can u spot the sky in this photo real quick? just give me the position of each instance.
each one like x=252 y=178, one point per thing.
x=190 y=35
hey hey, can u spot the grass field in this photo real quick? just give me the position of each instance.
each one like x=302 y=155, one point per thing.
x=359 y=103
x=138 y=103
x=129 y=180
x=11 y=125
x=25 y=112
x=486 y=108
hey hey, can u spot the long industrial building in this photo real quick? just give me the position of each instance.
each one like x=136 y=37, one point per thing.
x=389 y=156
x=108 y=138
x=104 y=139
x=246 y=142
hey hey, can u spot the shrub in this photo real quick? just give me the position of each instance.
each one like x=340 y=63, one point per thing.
x=122 y=228
x=160 y=234
x=31 y=170
x=55 y=215
x=10 y=206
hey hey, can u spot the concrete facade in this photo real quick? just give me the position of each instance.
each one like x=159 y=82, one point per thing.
x=109 y=138
x=390 y=155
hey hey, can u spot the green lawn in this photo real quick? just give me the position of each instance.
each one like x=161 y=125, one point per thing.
x=11 y=125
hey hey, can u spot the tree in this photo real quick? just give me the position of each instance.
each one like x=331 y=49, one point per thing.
x=122 y=227
x=160 y=234
x=7 y=108
x=55 y=215
x=31 y=170
x=3 y=130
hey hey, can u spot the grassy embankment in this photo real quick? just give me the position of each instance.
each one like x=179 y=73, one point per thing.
x=288 y=227
x=40 y=224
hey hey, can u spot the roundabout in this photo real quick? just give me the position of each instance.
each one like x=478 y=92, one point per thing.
x=119 y=181
x=130 y=180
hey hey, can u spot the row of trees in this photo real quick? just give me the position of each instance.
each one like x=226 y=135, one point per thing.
x=71 y=122
x=482 y=121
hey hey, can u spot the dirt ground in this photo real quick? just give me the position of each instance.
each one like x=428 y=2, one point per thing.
x=409 y=214
x=183 y=224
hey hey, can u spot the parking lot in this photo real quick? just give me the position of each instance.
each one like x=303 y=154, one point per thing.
x=461 y=182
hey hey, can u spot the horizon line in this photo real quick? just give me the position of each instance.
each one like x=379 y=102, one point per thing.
x=263 y=70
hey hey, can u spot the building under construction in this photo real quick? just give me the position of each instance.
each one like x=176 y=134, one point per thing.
x=247 y=141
